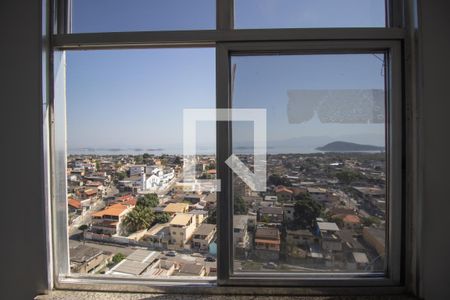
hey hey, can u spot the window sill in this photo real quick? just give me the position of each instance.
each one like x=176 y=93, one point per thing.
x=64 y=295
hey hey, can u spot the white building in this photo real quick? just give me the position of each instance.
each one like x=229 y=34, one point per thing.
x=155 y=178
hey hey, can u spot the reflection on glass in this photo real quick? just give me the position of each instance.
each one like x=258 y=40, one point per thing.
x=308 y=13
x=130 y=213
x=142 y=15
x=324 y=209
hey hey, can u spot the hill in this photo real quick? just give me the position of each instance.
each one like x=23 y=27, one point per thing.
x=340 y=146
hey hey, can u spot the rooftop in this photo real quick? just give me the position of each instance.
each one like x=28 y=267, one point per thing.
x=327 y=226
x=176 y=208
x=74 y=203
x=83 y=253
x=181 y=219
x=267 y=233
x=205 y=229
x=113 y=210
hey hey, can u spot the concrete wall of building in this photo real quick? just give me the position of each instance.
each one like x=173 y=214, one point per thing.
x=24 y=258
x=21 y=143
x=435 y=50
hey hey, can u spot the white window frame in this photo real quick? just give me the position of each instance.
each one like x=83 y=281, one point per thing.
x=393 y=40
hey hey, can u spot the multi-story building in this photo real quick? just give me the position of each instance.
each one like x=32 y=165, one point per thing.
x=203 y=236
x=182 y=227
x=109 y=220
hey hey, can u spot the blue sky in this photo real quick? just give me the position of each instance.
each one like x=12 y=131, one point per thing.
x=136 y=15
x=135 y=98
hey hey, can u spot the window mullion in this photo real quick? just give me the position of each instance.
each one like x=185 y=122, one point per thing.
x=224 y=11
x=224 y=206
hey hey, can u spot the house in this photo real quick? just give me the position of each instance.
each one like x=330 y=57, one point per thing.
x=161 y=268
x=193 y=198
x=270 y=214
x=356 y=261
x=241 y=238
x=136 y=170
x=267 y=243
x=300 y=237
x=351 y=221
x=85 y=259
x=199 y=215
x=318 y=194
x=89 y=193
x=271 y=199
x=283 y=193
x=298 y=191
x=182 y=227
x=126 y=200
x=203 y=236
x=157 y=178
x=330 y=241
x=176 y=208
x=298 y=241
x=135 y=264
x=74 y=206
x=192 y=269
x=210 y=200
x=109 y=220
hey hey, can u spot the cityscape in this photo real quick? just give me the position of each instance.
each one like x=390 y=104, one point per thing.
x=132 y=215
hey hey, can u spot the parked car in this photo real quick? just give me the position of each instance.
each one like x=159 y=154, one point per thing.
x=270 y=265
x=171 y=253
x=210 y=259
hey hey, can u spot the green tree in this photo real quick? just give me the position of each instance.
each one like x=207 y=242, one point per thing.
x=138 y=159
x=148 y=200
x=305 y=213
x=240 y=207
x=303 y=196
x=121 y=176
x=161 y=218
x=83 y=228
x=212 y=217
x=118 y=258
x=145 y=156
x=347 y=176
x=370 y=220
x=139 y=218
x=276 y=179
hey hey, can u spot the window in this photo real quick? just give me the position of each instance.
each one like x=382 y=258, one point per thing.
x=141 y=15
x=321 y=110
x=300 y=121
x=309 y=13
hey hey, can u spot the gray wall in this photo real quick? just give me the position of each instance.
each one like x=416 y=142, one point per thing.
x=23 y=264
x=435 y=41
x=23 y=260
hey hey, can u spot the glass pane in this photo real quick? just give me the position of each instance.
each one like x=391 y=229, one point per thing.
x=324 y=206
x=131 y=212
x=250 y=14
x=142 y=15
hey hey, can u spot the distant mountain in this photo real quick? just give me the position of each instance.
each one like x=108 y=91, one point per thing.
x=348 y=147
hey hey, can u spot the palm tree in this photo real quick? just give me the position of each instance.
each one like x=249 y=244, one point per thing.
x=139 y=218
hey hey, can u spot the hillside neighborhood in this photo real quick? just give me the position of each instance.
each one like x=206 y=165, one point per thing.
x=130 y=215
